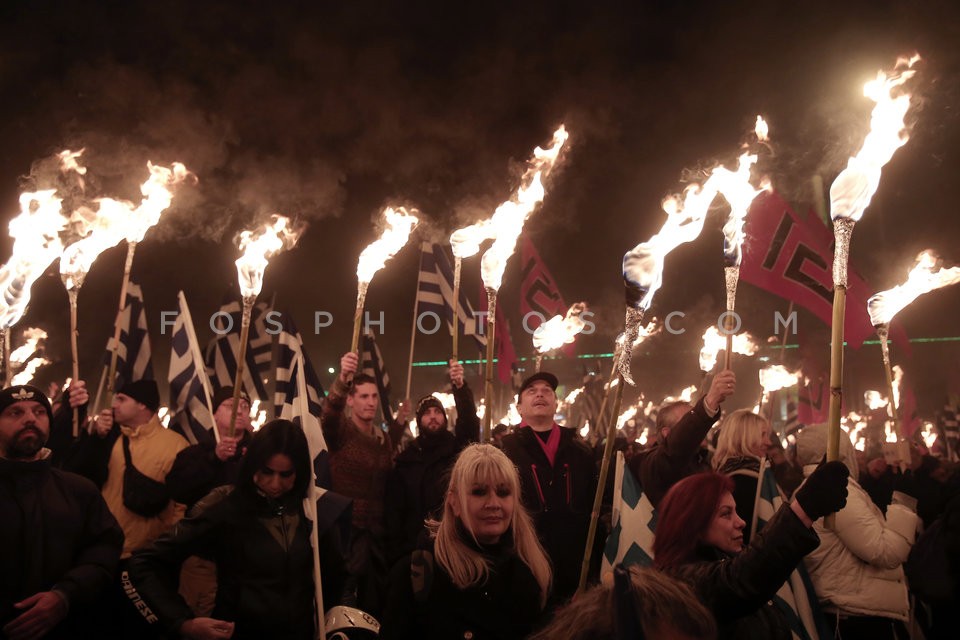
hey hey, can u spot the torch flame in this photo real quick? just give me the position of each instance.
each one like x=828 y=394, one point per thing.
x=25 y=376
x=739 y=193
x=762 y=129
x=777 y=377
x=653 y=328
x=874 y=399
x=258 y=248
x=116 y=220
x=560 y=330
x=714 y=342
x=32 y=338
x=68 y=163
x=926 y=276
x=466 y=242
x=36 y=243
x=508 y=219
x=853 y=189
x=399 y=226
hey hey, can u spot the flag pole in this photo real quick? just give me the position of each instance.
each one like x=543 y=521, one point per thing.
x=488 y=388
x=413 y=330
x=601 y=485
x=241 y=359
x=457 y=267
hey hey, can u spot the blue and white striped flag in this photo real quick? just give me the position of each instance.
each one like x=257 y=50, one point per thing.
x=133 y=349
x=298 y=398
x=633 y=523
x=224 y=348
x=796 y=599
x=189 y=386
x=372 y=364
x=435 y=293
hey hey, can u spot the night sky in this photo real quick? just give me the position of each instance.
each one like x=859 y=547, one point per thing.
x=328 y=111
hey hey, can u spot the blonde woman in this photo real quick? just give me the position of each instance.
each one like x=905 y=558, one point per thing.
x=480 y=572
x=742 y=450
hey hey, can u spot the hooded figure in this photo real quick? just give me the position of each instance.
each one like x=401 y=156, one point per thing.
x=857 y=571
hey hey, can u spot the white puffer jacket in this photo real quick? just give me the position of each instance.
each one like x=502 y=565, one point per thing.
x=858 y=567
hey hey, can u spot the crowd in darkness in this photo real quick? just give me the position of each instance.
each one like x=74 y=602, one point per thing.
x=129 y=531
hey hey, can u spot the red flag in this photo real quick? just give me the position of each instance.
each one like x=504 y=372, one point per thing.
x=792 y=256
x=538 y=291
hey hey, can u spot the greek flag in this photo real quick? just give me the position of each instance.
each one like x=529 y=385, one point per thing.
x=435 y=294
x=133 y=348
x=298 y=399
x=371 y=363
x=796 y=599
x=634 y=522
x=222 y=351
x=189 y=386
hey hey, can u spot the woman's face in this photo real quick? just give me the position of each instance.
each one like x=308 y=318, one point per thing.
x=276 y=477
x=488 y=511
x=760 y=449
x=726 y=529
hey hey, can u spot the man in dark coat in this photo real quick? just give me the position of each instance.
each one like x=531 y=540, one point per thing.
x=681 y=428
x=416 y=486
x=201 y=468
x=60 y=543
x=558 y=480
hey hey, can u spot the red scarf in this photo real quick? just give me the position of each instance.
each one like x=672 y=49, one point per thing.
x=551 y=445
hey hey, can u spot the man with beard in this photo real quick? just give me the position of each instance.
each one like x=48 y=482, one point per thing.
x=60 y=543
x=418 y=482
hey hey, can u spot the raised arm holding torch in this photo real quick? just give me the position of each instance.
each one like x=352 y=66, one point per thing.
x=850 y=195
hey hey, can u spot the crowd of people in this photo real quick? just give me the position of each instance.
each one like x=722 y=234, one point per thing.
x=128 y=532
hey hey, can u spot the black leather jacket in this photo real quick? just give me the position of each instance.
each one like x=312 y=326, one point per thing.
x=264 y=565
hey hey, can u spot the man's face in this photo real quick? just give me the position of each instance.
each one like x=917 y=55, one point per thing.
x=364 y=401
x=126 y=410
x=24 y=429
x=537 y=401
x=673 y=417
x=433 y=420
x=222 y=417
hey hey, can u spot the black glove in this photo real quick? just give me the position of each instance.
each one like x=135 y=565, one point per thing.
x=825 y=491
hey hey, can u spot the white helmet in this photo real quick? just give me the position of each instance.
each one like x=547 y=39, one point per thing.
x=347 y=623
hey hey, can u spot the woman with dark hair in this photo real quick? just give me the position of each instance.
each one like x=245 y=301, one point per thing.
x=259 y=538
x=699 y=540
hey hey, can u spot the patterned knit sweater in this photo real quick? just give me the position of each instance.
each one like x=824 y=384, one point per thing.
x=359 y=461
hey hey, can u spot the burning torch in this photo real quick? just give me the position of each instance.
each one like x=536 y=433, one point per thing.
x=850 y=194
x=559 y=331
x=257 y=248
x=642 y=277
x=739 y=193
x=157 y=198
x=927 y=275
x=507 y=222
x=36 y=243
x=399 y=225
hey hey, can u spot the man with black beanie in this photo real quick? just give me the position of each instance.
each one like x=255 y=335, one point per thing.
x=416 y=485
x=60 y=543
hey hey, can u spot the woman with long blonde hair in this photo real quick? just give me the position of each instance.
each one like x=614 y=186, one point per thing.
x=743 y=448
x=480 y=572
